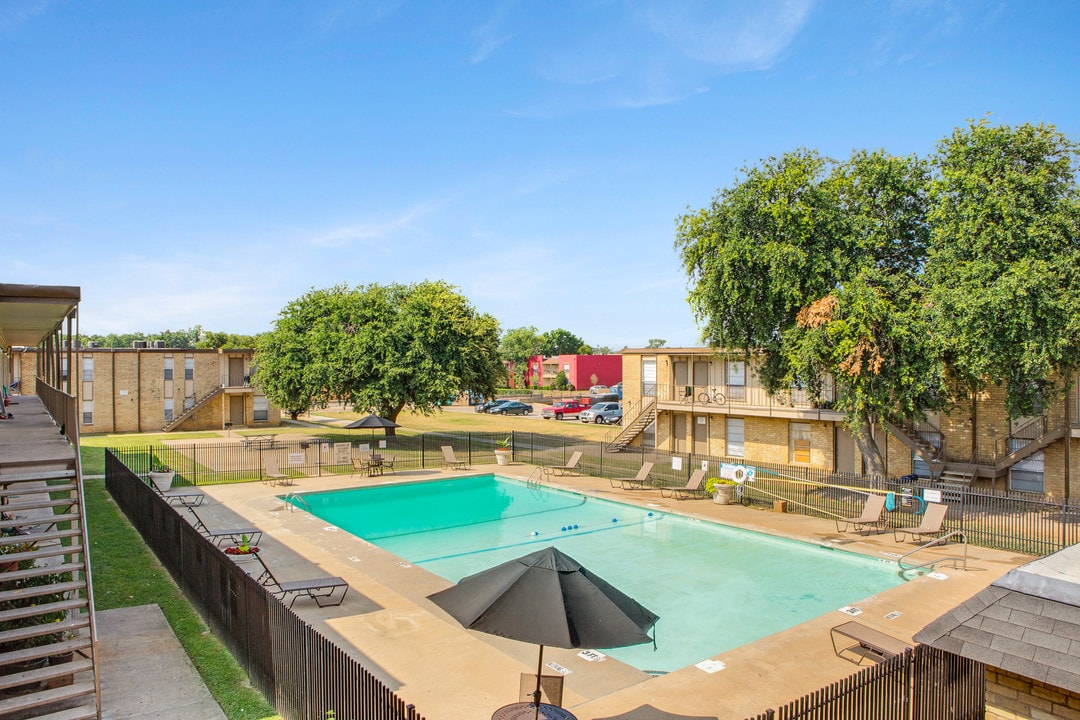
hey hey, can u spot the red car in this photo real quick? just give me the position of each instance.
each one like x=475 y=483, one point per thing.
x=563 y=408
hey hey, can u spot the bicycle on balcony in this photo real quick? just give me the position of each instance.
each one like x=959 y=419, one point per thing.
x=711 y=395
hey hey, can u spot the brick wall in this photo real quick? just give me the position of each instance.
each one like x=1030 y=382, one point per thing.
x=1010 y=697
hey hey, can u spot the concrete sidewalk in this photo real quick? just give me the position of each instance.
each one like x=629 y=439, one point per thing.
x=145 y=672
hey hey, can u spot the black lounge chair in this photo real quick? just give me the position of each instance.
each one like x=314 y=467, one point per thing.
x=238 y=536
x=321 y=590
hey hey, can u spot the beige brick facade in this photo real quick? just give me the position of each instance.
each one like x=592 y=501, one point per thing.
x=1013 y=697
x=129 y=390
x=976 y=429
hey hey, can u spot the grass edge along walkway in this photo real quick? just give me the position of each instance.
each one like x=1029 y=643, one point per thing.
x=127 y=574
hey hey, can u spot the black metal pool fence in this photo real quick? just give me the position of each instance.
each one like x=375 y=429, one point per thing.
x=1017 y=522
x=301 y=671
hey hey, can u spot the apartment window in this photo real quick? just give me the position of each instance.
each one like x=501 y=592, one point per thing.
x=88 y=412
x=799 y=443
x=648 y=377
x=260 y=409
x=88 y=369
x=735 y=436
x=189 y=368
x=736 y=379
x=1028 y=474
x=189 y=402
x=168 y=368
x=168 y=409
x=63 y=368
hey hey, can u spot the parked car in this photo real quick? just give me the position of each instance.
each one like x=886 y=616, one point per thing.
x=562 y=408
x=599 y=390
x=487 y=405
x=602 y=413
x=511 y=407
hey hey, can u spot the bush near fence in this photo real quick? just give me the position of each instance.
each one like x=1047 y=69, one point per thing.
x=1016 y=522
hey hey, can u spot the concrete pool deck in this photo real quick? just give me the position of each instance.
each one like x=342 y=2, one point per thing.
x=450 y=673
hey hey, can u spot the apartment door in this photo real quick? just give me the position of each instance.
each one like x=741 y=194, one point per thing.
x=701 y=434
x=845 y=450
x=236 y=409
x=678 y=432
x=236 y=371
x=701 y=374
x=680 y=370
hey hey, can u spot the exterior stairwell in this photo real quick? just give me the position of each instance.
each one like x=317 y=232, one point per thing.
x=182 y=417
x=48 y=668
x=632 y=429
x=919 y=438
x=1047 y=432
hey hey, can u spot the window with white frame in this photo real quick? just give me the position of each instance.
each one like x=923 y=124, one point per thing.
x=168 y=367
x=735 y=437
x=88 y=412
x=260 y=408
x=168 y=409
x=799 y=443
x=736 y=379
x=189 y=368
x=88 y=369
x=648 y=377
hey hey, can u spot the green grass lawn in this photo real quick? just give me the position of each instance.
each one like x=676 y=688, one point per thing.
x=126 y=574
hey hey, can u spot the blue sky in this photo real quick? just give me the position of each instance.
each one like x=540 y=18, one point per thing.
x=208 y=162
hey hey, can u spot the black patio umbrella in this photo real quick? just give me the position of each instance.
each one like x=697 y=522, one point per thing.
x=547 y=598
x=373 y=422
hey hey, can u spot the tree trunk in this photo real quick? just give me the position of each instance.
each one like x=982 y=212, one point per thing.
x=860 y=429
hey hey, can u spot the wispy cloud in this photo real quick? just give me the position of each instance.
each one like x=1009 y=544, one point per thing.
x=489 y=37
x=356 y=13
x=20 y=11
x=375 y=234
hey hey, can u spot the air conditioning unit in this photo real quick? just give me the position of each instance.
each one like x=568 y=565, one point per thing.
x=92 y=344
x=138 y=344
x=158 y=344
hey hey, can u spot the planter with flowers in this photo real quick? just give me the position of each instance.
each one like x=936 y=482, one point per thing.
x=503 y=453
x=244 y=547
x=162 y=476
x=722 y=490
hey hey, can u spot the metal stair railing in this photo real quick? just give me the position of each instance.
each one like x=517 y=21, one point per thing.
x=634 y=427
x=936 y=561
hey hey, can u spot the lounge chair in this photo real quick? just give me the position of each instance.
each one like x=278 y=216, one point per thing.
x=250 y=535
x=932 y=521
x=450 y=459
x=872 y=516
x=272 y=472
x=187 y=499
x=867 y=643
x=692 y=488
x=570 y=468
x=639 y=481
x=321 y=590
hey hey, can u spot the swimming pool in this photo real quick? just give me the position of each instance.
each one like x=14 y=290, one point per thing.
x=715 y=588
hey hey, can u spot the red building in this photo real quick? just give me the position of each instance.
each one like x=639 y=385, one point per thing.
x=582 y=371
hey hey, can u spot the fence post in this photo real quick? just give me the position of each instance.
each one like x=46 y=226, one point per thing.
x=423 y=463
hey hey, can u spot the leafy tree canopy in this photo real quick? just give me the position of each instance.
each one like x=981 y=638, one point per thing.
x=561 y=342
x=193 y=337
x=379 y=348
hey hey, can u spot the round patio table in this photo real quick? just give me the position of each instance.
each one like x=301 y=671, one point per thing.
x=527 y=711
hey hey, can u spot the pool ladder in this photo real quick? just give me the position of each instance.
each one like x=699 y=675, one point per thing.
x=296 y=499
x=931 y=563
x=536 y=476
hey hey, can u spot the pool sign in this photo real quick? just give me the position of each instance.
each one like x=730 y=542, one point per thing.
x=738 y=473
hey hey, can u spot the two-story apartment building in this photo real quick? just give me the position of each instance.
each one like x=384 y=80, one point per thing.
x=694 y=401
x=154 y=388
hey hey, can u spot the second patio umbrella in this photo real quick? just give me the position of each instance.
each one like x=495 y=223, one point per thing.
x=547 y=598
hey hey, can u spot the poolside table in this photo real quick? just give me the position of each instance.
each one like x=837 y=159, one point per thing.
x=527 y=711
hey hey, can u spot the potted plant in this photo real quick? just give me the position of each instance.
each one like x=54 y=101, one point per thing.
x=162 y=476
x=503 y=453
x=722 y=490
x=243 y=547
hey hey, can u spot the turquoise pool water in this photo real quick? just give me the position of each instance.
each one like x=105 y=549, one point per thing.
x=714 y=587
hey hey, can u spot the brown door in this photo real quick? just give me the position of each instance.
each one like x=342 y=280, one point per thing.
x=678 y=432
x=236 y=372
x=236 y=409
x=701 y=434
x=845 y=450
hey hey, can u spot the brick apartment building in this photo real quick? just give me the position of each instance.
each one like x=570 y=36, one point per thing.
x=689 y=400
x=154 y=388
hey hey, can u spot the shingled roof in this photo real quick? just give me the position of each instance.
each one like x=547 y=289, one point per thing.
x=1027 y=622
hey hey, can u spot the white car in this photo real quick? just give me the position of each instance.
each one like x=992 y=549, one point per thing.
x=601 y=413
x=599 y=390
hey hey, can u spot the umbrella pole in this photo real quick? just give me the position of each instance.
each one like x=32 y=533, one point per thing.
x=539 y=671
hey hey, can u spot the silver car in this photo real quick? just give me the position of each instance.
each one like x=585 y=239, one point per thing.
x=600 y=413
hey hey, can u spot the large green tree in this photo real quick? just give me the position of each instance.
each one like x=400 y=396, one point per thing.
x=561 y=342
x=379 y=348
x=517 y=346
x=1004 y=269
x=813 y=265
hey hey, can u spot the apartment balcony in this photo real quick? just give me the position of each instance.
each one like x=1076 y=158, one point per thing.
x=745 y=401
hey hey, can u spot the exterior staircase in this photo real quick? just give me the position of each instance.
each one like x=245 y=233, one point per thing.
x=182 y=417
x=47 y=663
x=923 y=439
x=633 y=428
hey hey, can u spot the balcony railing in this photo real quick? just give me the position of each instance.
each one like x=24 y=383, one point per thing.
x=735 y=397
